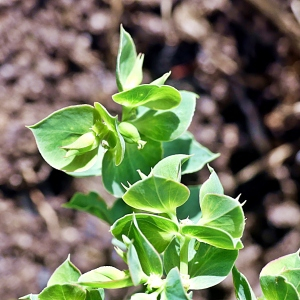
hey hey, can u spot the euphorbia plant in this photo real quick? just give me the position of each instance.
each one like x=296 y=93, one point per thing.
x=174 y=239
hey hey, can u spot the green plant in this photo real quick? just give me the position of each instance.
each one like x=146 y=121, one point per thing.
x=174 y=238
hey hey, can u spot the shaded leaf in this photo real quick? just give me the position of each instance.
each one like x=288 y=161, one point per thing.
x=159 y=231
x=93 y=204
x=190 y=209
x=135 y=268
x=242 y=288
x=173 y=288
x=210 y=265
x=97 y=294
x=144 y=159
x=111 y=134
x=186 y=144
x=172 y=256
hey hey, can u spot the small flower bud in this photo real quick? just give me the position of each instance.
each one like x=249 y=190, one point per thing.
x=131 y=134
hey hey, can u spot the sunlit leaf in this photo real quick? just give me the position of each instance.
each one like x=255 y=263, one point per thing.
x=161 y=80
x=157 y=195
x=126 y=58
x=280 y=278
x=167 y=125
x=170 y=167
x=155 y=97
x=211 y=186
x=61 y=128
x=67 y=272
x=221 y=224
x=63 y=292
x=106 y=277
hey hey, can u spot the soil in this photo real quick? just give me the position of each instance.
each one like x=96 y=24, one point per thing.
x=242 y=61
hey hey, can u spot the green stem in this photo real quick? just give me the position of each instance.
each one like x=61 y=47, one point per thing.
x=184 y=255
x=128 y=113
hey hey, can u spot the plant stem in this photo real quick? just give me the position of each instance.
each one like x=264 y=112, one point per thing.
x=128 y=113
x=184 y=255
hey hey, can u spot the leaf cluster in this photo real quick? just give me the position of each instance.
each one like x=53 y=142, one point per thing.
x=174 y=239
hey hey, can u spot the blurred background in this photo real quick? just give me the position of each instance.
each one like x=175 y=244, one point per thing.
x=241 y=56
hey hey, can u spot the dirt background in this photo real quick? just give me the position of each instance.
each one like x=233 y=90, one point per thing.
x=241 y=56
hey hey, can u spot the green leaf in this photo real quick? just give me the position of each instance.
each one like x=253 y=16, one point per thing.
x=155 y=97
x=171 y=255
x=30 y=297
x=61 y=128
x=212 y=236
x=211 y=186
x=63 y=292
x=135 y=159
x=173 y=288
x=126 y=58
x=148 y=256
x=158 y=230
x=167 y=125
x=223 y=212
x=161 y=80
x=135 y=268
x=106 y=277
x=93 y=204
x=222 y=222
x=210 y=266
x=156 y=195
x=278 y=288
x=280 y=277
x=186 y=144
x=95 y=294
x=67 y=272
x=170 y=167
x=190 y=209
x=242 y=288
x=95 y=170
x=136 y=75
